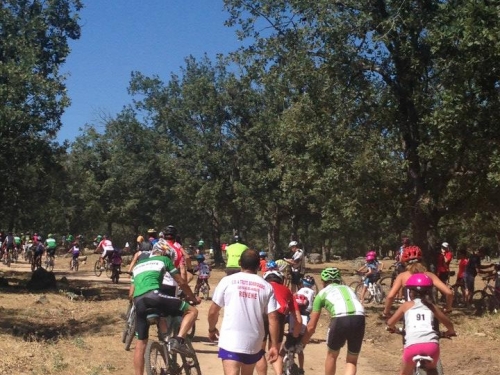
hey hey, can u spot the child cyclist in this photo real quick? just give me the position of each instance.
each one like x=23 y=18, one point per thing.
x=304 y=305
x=203 y=270
x=263 y=262
x=308 y=284
x=421 y=336
x=371 y=271
x=75 y=251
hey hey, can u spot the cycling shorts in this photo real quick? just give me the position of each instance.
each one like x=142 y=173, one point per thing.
x=371 y=279
x=281 y=332
x=296 y=277
x=430 y=349
x=51 y=251
x=76 y=255
x=155 y=299
x=346 y=328
x=107 y=253
x=246 y=359
x=469 y=282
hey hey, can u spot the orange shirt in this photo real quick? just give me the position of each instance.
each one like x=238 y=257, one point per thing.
x=263 y=265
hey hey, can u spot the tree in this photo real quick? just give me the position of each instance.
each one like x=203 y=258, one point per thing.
x=34 y=44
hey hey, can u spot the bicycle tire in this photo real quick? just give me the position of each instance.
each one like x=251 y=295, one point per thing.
x=386 y=284
x=379 y=293
x=477 y=302
x=76 y=265
x=458 y=297
x=127 y=317
x=97 y=268
x=491 y=304
x=368 y=295
x=49 y=265
x=354 y=284
x=109 y=269
x=205 y=291
x=130 y=332
x=156 y=362
x=190 y=365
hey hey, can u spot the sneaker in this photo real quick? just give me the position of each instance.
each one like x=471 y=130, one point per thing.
x=177 y=347
x=300 y=371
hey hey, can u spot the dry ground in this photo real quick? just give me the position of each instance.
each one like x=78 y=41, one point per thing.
x=48 y=334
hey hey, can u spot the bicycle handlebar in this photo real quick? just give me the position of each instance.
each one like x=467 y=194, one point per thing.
x=401 y=331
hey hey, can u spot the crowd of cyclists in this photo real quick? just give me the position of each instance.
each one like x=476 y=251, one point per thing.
x=161 y=270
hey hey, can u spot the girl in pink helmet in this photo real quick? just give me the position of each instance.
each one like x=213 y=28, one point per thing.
x=420 y=331
x=371 y=270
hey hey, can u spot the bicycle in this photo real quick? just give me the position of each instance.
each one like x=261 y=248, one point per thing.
x=289 y=365
x=373 y=292
x=421 y=361
x=75 y=263
x=204 y=289
x=487 y=299
x=49 y=262
x=36 y=262
x=129 y=330
x=115 y=273
x=107 y=267
x=159 y=357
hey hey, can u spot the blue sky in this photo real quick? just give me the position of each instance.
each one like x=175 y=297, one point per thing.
x=121 y=36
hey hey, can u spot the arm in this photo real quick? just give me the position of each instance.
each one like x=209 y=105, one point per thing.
x=443 y=289
x=213 y=317
x=134 y=261
x=131 y=292
x=185 y=288
x=274 y=328
x=398 y=283
x=391 y=322
x=443 y=319
x=311 y=326
x=298 y=323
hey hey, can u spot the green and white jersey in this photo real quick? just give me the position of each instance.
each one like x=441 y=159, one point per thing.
x=51 y=243
x=338 y=300
x=17 y=240
x=148 y=274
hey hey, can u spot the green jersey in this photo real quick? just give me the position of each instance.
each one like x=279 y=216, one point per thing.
x=17 y=240
x=338 y=300
x=51 y=243
x=233 y=253
x=148 y=274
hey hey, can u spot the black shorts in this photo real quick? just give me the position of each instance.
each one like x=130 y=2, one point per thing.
x=296 y=277
x=165 y=304
x=51 y=252
x=281 y=322
x=346 y=328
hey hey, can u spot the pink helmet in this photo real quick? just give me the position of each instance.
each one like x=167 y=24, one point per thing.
x=419 y=281
x=370 y=256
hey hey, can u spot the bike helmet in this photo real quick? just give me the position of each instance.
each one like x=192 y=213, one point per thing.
x=238 y=238
x=50 y=235
x=273 y=276
x=301 y=300
x=282 y=265
x=420 y=282
x=151 y=231
x=370 y=257
x=271 y=265
x=262 y=254
x=411 y=254
x=331 y=274
x=293 y=243
x=308 y=281
x=170 y=231
x=200 y=258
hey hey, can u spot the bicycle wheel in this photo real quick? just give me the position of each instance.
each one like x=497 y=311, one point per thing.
x=155 y=361
x=189 y=366
x=458 y=297
x=76 y=264
x=50 y=265
x=386 y=284
x=491 y=304
x=354 y=285
x=109 y=269
x=127 y=320
x=379 y=293
x=368 y=295
x=130 y=334
x=204 y=290
x=478 y=302
x=97 y=268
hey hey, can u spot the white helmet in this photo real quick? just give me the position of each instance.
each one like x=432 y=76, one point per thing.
x=293 y=243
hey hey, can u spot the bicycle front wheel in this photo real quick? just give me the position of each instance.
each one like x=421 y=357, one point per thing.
x=97 y=268
x=109 y=270
x=130 y=332
x=359 y=291
x=50 y=265
x=188 y=365
x=155 y=360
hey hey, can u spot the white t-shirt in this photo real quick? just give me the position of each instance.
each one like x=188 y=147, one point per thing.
x=245 y=298
x=298 y=256
x=310 y=294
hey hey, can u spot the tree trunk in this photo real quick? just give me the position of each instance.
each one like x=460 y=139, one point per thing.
x=216 y=233
x=273 y=235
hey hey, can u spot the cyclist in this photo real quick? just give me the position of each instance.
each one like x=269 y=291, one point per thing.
x=399 y=265
x=412 y=258
x=152 y=236
x=50 y=247
x=263 y=262
x=288 y=308
x=143 y=251
x=233 y=254
x=145 y=289
x=75 y=251
x=421 y=334
x=97 y=240
x=181 y=259
x=372 y=272
x=308 y=283
x=347 y=320
x=472 y=268
x=107 y=250
x=203 y=270
x=303 y=304
x=38 y=250
x=8 y=244
x=18 y=245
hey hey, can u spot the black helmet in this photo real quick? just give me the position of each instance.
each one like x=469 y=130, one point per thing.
x=170 y=231
x=238 y=238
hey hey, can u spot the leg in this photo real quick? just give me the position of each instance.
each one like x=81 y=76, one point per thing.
x=236 y=368
x=331 y=362
x=407 y=368
x=278 y=365
x=188 y=320
x=351 y=362
x=140 y=348
x=261 y=365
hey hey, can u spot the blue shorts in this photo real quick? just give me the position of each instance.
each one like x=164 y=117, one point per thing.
x=247 y=359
